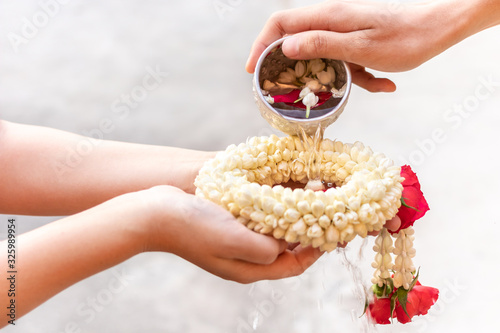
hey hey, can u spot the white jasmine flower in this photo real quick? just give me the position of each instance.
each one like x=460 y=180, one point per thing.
x=331 y=71
x=314 y=85
x=269 y=99
x=306 y=79
x=326 y=77
x=287 y=77
x=304 y=92
x=316 y=66
x=340 y=92
x=300 y=68
x=310 y=100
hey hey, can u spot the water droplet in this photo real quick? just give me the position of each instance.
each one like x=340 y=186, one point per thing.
x=251 y=291
x=340 y=299
x=256 y=320
x=320 y=305
x=354 y=315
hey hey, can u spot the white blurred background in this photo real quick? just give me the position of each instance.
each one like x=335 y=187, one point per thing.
x=71 y=72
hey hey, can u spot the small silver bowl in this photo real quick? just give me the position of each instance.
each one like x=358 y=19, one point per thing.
x=289 y=119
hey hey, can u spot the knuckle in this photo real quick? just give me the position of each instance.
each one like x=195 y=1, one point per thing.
x=297 y=270
x=318 y=44
x=276 y=21
x=276 y=16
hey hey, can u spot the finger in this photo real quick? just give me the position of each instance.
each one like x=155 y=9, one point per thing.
x=247 y=245
x=230 y=239
x=306 y=256
x=368 y=81
x=393 y=224
x=283 y=246
x=288 y=264
x=332 y=16
x=325 y=44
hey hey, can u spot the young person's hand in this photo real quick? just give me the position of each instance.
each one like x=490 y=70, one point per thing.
x=210 y=237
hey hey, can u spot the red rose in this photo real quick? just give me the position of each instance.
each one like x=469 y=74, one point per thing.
x=427 y=297
x=412 y=304
x=419 y=301
x=414 y=205
x=380 y=310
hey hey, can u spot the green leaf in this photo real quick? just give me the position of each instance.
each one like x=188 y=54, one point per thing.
x=393 y=304
x=403 y=299
x=385 y=290
x=390 y=283
x=366 y=307
x=378 y=291
x=406 y=205
x=414 y=281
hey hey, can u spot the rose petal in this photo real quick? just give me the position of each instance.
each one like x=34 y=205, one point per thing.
x=412 y=305
x=413 y=197
x=410 y=176
x=419 y=301
x=427 y=297
x=293 y=95
x=380 y=310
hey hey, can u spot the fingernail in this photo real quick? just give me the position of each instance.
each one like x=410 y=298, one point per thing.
x=247 y=66
x=291 y=47
x=283 y=246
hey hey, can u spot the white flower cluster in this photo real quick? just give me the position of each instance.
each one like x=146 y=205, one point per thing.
x=245 y=180
x=383 y=258
x=404 y=252
x=310 y=76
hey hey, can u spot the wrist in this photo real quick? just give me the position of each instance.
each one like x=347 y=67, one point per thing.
x=458 y=20
x=161 y=208
x=192 y=167
x=131 y=214
x=481 y=14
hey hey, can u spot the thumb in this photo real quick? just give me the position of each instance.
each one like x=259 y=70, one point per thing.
x=320 y=44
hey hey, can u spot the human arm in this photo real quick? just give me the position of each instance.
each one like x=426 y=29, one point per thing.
x=45 y=171
x=381 y=36
x=163 y=218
